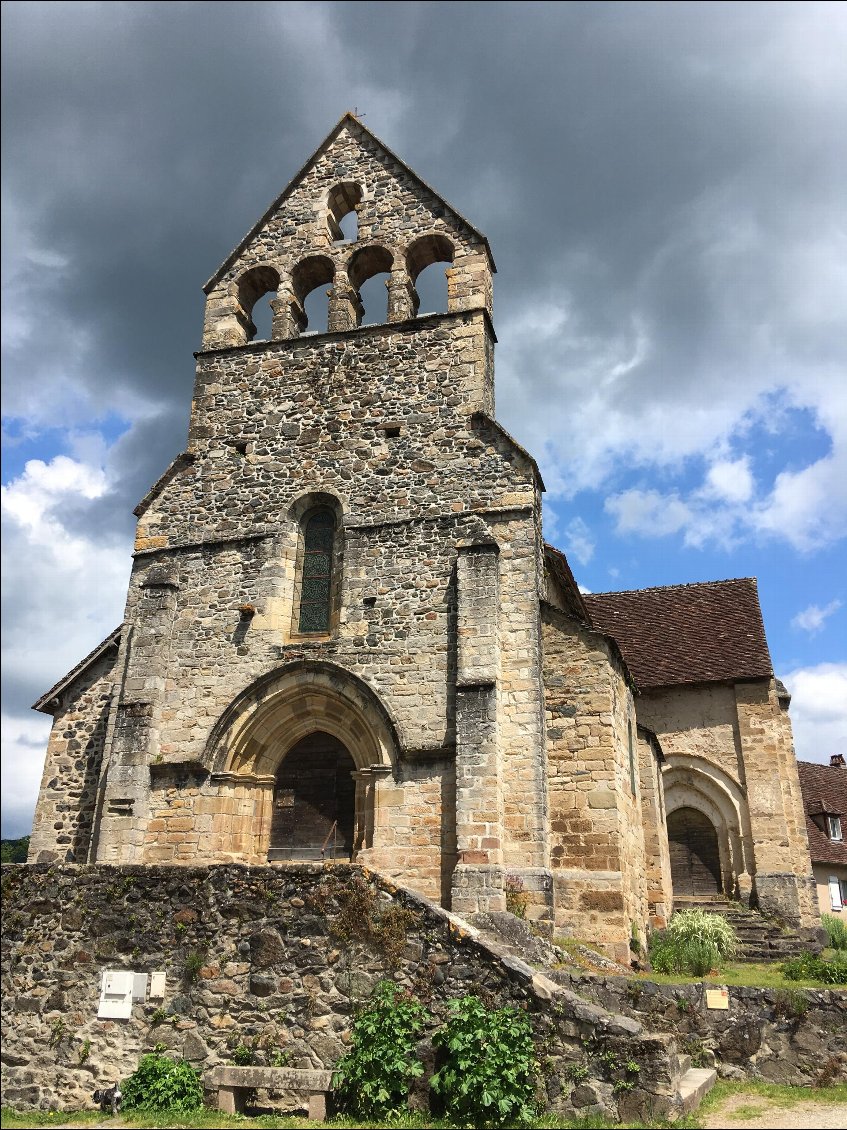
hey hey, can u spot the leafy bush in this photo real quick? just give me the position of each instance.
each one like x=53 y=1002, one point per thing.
x=695 y=942
x=808 y=967
x=836 y=931
x=488 y=1077
x=373 y=1079
x=160 y=1083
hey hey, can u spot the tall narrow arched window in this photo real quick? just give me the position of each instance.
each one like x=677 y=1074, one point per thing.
x=316 y=579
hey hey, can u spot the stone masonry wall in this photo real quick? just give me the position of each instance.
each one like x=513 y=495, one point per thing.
x=732 y=748
x=275 y=960
x=657 y=864
x=67 y=799
x=794 y=1037
x=596 y=837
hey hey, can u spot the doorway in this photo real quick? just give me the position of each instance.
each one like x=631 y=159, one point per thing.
x=694 y=852
x=314 y=802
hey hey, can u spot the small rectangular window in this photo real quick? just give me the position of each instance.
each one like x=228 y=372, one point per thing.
x=835 y=893
x=834 y=823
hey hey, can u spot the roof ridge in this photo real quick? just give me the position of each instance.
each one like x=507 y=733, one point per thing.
x=112 y=638
x=666 y=588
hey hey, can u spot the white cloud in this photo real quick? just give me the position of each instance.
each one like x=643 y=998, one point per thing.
x=730 y=480
x=812 y=619
x=63 y=592
x=648 y=512
x=24 y=746
x=578 y=541
x=818 y=710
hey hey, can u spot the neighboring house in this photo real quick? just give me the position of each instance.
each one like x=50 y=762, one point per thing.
x=344 y=634
x=825 y=801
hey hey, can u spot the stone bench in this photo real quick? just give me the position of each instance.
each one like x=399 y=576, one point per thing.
x=232 y=1083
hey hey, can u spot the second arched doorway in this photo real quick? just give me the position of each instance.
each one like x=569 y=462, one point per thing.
x=694 y=854
x=314 y=805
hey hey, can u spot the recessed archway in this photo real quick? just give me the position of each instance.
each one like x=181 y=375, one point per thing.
x=278 y=718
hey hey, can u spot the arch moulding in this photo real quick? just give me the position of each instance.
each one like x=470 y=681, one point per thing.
x=267 y=719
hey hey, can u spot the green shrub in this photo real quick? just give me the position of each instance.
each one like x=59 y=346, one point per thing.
x=836 y=931
x=373 y=1079
x=695 y=942
x=160 y=1083
x=808 y=967
x=488 y=1077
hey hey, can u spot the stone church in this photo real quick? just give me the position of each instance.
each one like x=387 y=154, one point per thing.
x=346 y=638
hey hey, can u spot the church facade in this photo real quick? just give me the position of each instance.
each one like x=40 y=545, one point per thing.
x=346 y=638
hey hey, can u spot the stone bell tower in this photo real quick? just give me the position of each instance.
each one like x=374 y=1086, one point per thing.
x=344 y=564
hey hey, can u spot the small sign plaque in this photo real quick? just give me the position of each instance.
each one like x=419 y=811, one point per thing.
x=717 y=998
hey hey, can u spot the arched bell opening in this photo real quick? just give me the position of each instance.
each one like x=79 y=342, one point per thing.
x=694 y=854
x=314 y=803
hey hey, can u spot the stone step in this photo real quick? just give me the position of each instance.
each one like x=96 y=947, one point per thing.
x=693 y=1086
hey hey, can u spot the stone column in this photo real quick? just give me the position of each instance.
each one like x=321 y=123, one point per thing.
x=345 y=306
x=478 y=880
x=134 y=738
x=402 y=302
x=289 y=320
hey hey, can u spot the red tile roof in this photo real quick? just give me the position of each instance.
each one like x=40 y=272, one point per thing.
x=700 y=633
x=824 y=789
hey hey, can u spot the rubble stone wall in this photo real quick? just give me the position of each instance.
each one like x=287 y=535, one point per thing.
x=273 y=960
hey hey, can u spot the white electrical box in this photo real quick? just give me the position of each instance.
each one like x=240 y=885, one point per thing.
x=157 y=986
x=116 y=994
x=139 y=987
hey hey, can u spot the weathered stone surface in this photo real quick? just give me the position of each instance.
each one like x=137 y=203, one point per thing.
x=306 y=1016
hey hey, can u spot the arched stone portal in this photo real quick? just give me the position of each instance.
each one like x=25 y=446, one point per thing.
x=314 y=805
x=310 y=737
x=694 y=853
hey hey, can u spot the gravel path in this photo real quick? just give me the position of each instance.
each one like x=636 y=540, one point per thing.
x=736 y=1113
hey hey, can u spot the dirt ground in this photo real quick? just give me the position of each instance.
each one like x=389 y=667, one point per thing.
x=760 y=1114
x=739 y=1112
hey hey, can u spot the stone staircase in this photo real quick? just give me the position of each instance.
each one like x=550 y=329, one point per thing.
x=679 y=1087
x=760 y=939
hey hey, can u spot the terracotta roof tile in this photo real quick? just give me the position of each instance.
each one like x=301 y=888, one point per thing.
x=699 y=633
x=824 y=789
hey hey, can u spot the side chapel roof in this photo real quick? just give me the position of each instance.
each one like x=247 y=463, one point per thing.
x=45 y=703
x=698 y=633
x=824 y=789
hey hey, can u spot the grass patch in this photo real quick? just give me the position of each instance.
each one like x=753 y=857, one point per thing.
x=768 y=1095
x=739 y=973
x=761 y=1098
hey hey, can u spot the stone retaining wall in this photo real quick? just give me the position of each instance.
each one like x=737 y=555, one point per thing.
x=792 y=1036
x=275 y=959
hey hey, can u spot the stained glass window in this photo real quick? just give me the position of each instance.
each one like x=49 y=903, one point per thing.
x=316 y=579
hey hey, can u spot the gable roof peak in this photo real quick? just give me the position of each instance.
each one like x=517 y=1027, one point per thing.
x=354 y=127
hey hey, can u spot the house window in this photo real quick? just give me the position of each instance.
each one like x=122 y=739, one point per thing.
x=316 y=577
x=833 y=827
x=837 y=892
